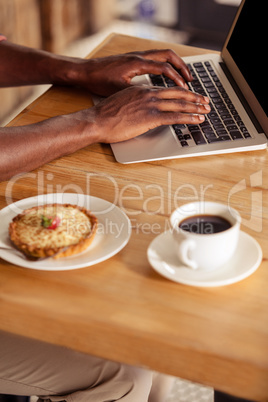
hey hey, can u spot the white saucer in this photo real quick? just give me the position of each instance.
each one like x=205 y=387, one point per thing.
x=163 y=259
x=113 y=232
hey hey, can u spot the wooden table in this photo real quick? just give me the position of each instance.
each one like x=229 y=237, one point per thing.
x=121 y=309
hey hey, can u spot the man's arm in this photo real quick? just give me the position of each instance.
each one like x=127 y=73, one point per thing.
x=21 y=65
x=25 y=148
x=121 y=116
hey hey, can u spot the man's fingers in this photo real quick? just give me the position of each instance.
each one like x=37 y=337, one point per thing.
x=158 y=68
x=181 y=105
x=169 y=118
x=169 y=57
x=178 y=105
x=177 y=99
x=180 y=93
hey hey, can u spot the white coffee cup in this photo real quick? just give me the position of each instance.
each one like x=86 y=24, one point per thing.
x=205 y=251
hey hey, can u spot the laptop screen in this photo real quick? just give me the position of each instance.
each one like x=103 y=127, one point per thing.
x=247 y=46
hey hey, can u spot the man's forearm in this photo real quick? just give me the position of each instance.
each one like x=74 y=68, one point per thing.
x=25 y=66
x=28 y=147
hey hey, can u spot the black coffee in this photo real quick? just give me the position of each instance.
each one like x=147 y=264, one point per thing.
x=205 y=224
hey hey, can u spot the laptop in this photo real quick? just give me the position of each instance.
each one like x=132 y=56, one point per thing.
x=238 y=92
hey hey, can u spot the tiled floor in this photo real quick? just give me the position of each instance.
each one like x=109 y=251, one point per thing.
x=186 y=391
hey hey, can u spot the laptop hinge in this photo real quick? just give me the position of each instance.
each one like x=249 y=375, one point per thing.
x=241 y=97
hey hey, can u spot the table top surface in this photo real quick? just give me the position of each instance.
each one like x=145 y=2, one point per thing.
x=121 y=309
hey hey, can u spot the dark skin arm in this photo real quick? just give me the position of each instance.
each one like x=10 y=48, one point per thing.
x=21 y=65
x=121 y=116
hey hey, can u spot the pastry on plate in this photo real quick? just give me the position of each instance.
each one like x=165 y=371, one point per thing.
x=58 y=230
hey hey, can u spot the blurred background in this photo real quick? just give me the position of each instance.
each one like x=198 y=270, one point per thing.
x=75 y=27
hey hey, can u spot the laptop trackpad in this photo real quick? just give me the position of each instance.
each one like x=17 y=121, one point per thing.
x=160 y=141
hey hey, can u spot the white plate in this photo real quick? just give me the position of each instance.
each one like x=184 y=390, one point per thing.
x=113 y=232
x=163 y=259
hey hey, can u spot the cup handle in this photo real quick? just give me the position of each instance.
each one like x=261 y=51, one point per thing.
x=183 y=253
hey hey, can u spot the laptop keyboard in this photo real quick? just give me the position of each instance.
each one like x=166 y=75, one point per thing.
x=223 y=123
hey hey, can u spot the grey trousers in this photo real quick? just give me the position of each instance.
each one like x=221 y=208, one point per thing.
x=29 y=367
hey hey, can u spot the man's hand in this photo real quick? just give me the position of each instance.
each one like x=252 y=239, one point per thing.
x=135 y=110
x=105 y=76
